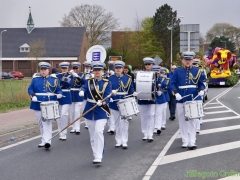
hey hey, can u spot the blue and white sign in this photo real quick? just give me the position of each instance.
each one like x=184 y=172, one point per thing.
x=96 y=56
x=96 y=53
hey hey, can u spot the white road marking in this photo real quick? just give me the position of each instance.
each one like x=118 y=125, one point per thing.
x=159 y=159
x=220 y=119
x=218 y=112
x=212 y=103
x=153 y=167
x=216 y=130
x=236 y=177
x=214 y=107
x=199 y=152
x=24 y=141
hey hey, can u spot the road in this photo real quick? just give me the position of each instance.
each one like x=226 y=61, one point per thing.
x=218 y=151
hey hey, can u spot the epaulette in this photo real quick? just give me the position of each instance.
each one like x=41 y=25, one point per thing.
x=105 y=79
x=53 y=75
x=128 y=75
x=36 y=77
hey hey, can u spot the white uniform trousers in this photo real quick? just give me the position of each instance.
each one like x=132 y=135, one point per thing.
x=158 y=118
x=121 y=127
x=164 y=115
x=45 y=128
x=147 y=119
x=187 y=128
x=62 y=122
x=96 y=129
x=75 y=108
x=199 y=121
x=83 y=107
x=112 y=120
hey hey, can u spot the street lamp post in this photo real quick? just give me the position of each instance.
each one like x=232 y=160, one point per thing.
x=1 y=53
x=172 y=35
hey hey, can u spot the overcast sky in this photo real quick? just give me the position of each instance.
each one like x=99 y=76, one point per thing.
x=48 y=13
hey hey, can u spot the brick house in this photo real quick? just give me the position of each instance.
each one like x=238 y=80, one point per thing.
x=60 y=43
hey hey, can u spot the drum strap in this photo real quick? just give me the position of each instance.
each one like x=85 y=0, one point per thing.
x=96 y=96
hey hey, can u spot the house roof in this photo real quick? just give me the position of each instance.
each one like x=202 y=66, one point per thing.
x=59 y=41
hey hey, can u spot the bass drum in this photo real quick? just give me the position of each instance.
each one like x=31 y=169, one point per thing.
x=145 y=82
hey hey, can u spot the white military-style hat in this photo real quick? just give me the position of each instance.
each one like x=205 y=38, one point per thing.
x=64 y=64
x=87 y=63
x=44 y=65
x=188 y=55
x=98 y=65
x=76 y=64
x=119 y=64
x=163 y=69
x=148 y=60
x=196 y=61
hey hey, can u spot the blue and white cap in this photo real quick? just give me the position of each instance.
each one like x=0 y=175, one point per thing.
x=148 y=60
x=76 y=64
x=196 y=61
x=98 y=65
x=119 y=64
x=188 y=55
x=163 y=69
x=87 y=63
x=44 y=65
x=64 y=64
x=156 y=68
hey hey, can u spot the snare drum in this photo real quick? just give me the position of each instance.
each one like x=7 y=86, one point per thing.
x=128 y=107
x=193 y=109
x=146 y=85
x=49 y=110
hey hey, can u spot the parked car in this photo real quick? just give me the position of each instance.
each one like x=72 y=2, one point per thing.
x=5 y=75
x=36 y=75
x=16 y=74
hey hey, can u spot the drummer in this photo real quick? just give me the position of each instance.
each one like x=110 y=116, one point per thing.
x=147 y=108
x=96 y=89
x=77 y=101
x=66 y=80
x=38 y=89
x=125 y=87
x=187 y=80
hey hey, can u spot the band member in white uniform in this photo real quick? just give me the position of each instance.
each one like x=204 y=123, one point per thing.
x=66 y=80
x=147 y=109
x=96 y=89
x=187 y=80
x=125 y=87
x=39 y=90
x=75 y=107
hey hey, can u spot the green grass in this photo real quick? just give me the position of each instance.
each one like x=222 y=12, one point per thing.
x=13 y=94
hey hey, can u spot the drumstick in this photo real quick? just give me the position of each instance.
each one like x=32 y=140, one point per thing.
x=186 y=96
x=81 y=116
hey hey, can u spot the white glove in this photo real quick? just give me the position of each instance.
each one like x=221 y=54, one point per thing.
x=114 y=92
x=54 y=75
x=34 y=99
x=111 y=72
x=81 y=93
x=59 y=96
x=135 y=94
x=99 y=103
x=178 y=97
x=74 y=74
x=201 y=93
x=159 y=93
x=111 y=100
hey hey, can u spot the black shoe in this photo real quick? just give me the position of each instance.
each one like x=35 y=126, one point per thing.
x=150 y=140
x=158 y=131
x=112 y=132
x=86 y=127
x=77 y=132
x=163 y=128
x=47 y=145
x=192 y=147
x=173 y=118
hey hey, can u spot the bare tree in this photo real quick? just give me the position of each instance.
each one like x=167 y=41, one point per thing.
x=37 y=50
x=218 y=29
x=95 y=19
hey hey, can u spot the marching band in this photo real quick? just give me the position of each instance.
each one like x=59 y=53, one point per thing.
x=115 y=99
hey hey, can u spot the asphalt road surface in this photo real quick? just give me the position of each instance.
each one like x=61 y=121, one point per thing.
x=217 y=155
